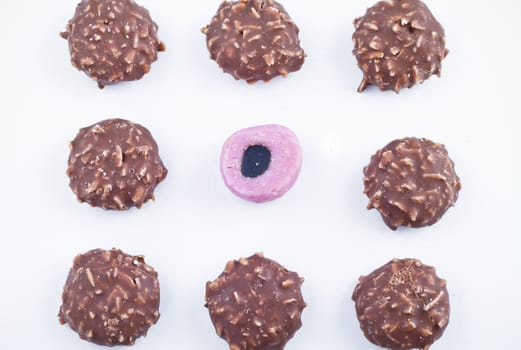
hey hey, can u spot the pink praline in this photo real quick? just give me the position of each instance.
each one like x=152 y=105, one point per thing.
x=282 y=172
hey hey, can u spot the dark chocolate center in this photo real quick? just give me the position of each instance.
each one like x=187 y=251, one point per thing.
x=255 y=161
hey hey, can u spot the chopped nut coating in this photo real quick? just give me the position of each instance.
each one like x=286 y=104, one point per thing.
x=254 y=40
x=114 y=164
x=402 y=305
x=112 y=40
x=110 y=298
x=255 y=304
x=398 y=43
x=411 y=182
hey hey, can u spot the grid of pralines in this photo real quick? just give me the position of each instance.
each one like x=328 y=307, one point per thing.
x=112 y=298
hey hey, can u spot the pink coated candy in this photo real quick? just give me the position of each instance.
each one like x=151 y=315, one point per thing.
x=282 y=171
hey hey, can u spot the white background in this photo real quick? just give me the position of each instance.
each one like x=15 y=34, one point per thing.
x=320 y=228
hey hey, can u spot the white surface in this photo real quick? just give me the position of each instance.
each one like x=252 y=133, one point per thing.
x=320 y=228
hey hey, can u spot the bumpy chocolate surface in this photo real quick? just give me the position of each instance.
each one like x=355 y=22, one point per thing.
x=112 y=40
x=254 y=40
x=402 y=305
x=255 y=304
x=114 y=164
x=412 y=182
x=398 y=43
x=110 y=298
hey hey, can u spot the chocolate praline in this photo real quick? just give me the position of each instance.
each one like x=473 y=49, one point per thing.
x=411 y=182
x=110 y=298
x=402 y=305
x=114 y=164
x=112 y=40
x=255 y=304
x=398 y=43
x=254 y=40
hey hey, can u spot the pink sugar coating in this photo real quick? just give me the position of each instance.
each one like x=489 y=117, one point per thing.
x=284 y=168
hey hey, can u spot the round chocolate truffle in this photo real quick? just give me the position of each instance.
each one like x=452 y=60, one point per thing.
x=255 y=304
x=112 y=40
x=402 y=305
x=398 y=43
x=110 y=298
x=254 y=40
x=114 y=164
x=412 y=182
x=261 y=163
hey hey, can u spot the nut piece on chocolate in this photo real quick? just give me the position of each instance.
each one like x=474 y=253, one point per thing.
x=114 y=164
x=255 y=304
x=110 y=298
x=254 y=40
x=412 y=182
x=112 y=40
x=398 y=43
x=402 y=305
